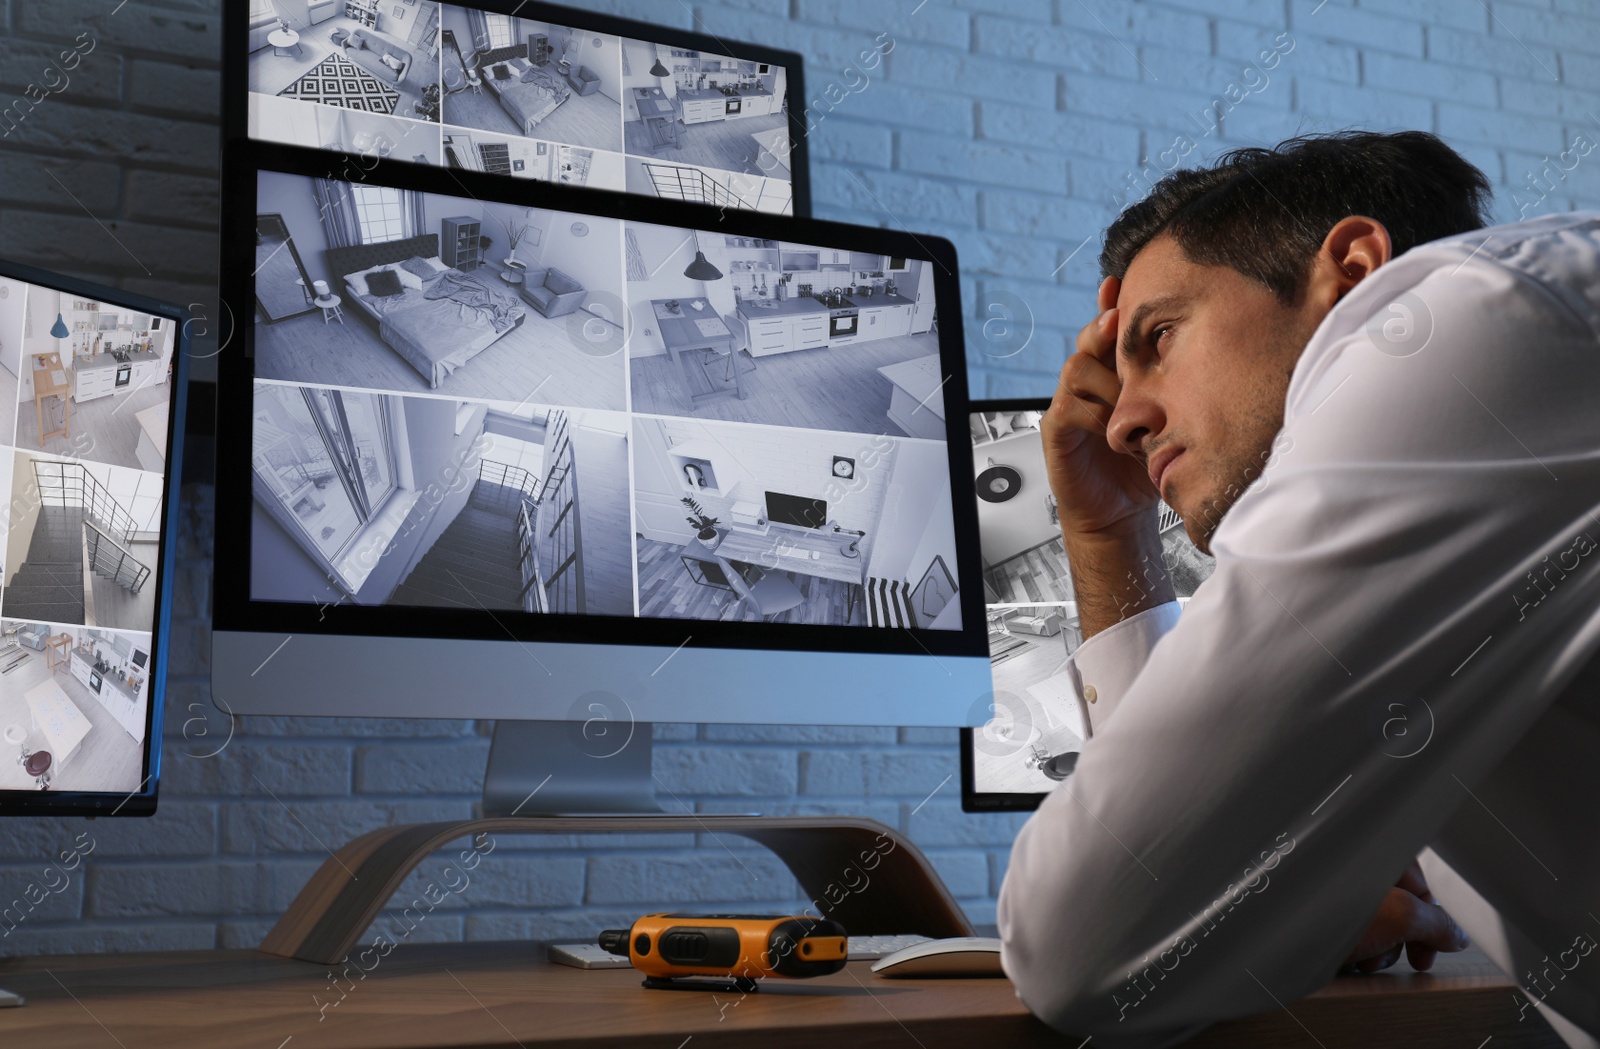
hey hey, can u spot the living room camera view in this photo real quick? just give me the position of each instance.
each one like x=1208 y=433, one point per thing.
x=72 y=706
x=83 y=430
x=1030 y=605
x=387 y=289
x=448 y=85
x=774 y=332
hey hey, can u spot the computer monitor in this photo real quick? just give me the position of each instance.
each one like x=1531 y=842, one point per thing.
x=92 y=401
x=526 y=91
x=1036 y=720
x=454 y=486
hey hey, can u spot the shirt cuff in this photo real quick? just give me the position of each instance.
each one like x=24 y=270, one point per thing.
x=1104 y=666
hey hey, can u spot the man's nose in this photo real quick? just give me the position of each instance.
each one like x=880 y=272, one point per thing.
x=1136 y=417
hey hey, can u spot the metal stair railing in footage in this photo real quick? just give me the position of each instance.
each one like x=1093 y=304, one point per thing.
x=107 y=525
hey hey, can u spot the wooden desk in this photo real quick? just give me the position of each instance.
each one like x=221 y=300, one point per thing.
x=507 y=995
x=45 y=386
x=660 y=114
x=58 y=652
x=682 y=337
x=790 y=550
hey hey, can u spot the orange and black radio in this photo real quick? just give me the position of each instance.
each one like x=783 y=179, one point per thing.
x=678 y=951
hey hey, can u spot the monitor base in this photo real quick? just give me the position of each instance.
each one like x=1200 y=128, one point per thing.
x=857 y=871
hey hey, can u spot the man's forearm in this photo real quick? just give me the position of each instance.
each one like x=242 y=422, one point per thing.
x=1117 y=573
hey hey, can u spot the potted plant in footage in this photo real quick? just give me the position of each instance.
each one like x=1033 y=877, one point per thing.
x=705 y=527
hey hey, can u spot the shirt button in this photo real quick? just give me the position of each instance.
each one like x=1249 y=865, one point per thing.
x=1090 y=694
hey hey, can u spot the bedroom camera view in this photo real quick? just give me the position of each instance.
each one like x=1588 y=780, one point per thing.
x=388 y=289
x=460 y=403
x=1030 y=606
x=84 y=399
x=443 y=84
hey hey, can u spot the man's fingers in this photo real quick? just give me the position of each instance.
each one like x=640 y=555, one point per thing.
x=1085 y=397
x=1096 y=338
x=1413 y=881
x=1381 y=962
x=1107 y=296
x=1408 y=924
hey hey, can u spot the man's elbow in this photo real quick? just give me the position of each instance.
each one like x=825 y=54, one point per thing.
x=1073 y=979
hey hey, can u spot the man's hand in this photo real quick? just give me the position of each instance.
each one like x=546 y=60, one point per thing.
x=1408 y=920
x=1098 y=488
x=1105 y=499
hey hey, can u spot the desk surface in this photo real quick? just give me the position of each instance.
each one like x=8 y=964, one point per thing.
x=506 y=994
x=44 y=376
x=790 y=549
x=679 y=330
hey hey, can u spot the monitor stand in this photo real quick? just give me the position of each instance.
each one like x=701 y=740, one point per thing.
x=553 y=778
x=566 y=768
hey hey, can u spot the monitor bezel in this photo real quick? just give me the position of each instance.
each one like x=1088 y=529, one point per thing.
x=973 y=800
x=236 y=74
x=234 y=611
x=141 y=802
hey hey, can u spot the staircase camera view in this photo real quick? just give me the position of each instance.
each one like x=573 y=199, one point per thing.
x=84 y=425
x=1031 y=608
x=591 y=417
x=450 y=85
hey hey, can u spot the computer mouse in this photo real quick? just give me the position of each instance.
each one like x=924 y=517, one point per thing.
x=955 y=956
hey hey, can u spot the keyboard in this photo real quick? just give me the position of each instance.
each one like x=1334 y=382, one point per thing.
x=871 y=948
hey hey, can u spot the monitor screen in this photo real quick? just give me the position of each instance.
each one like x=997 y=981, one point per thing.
x=796 y=510
x=94 y=379
x=1031 y=614
x=596 y=430
x=525 y=91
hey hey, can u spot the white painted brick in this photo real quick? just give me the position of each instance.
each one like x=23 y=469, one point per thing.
x=931 y=25
x=674 y=881
x=1055 y=47
x=913 y=774
x=1503 y=55
x=1279 y=52
x=1374 y=31
x=1382 y=110
x=1413 y=76
x=1128 y=24
x=1495 y=128
x=413 y=769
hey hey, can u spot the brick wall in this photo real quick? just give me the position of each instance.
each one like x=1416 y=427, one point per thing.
x=1013 y=127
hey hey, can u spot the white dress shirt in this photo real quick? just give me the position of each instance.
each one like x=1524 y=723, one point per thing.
x=1395 y=655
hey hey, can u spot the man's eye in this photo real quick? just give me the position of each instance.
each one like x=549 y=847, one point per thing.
x=1157 y=336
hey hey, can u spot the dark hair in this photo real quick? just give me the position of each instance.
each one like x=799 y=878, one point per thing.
x=1265 y=212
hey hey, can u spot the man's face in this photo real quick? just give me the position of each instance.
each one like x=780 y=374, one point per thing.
x=1204 y=356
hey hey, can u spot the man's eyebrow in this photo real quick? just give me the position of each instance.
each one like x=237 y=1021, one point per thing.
x=1130 y=336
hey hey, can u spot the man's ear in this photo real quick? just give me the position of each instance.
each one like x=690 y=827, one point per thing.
x=1352 y=250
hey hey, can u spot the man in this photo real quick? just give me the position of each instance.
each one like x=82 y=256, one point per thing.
x=1383 y=420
